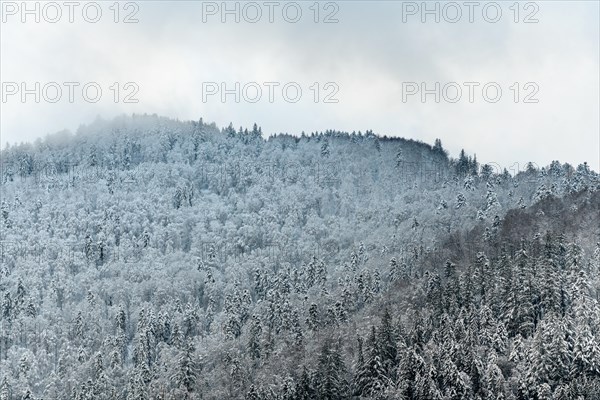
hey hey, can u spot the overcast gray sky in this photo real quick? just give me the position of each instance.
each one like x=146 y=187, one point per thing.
x=372 y=57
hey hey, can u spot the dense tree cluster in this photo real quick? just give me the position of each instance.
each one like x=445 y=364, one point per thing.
x=146 y=258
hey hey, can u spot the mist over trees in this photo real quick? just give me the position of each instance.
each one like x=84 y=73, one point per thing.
x=149 y=258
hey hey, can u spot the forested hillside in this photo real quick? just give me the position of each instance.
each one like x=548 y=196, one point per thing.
x=148 y=258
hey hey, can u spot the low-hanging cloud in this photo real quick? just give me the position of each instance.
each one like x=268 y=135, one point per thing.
x=370 y=53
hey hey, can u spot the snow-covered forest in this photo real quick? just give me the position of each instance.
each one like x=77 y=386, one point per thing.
x=149 y=258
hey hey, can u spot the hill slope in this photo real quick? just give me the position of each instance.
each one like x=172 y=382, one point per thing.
x=150 y=258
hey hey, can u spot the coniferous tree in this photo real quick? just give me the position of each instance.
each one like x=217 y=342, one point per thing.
x=330 y=378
